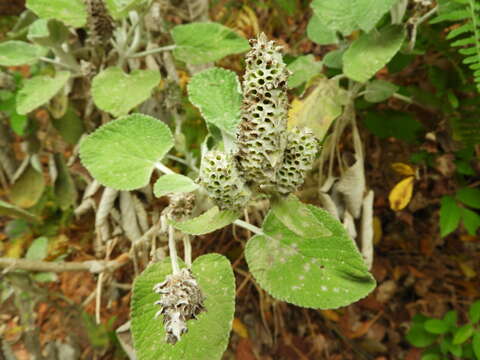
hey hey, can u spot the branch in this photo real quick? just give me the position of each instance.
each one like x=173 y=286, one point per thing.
x=93 y=266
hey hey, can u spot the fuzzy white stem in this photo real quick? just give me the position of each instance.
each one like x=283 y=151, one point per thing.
x=173 y=250
x=187 y=249
x=249 y=227
x=154 y=51
x=163 y=168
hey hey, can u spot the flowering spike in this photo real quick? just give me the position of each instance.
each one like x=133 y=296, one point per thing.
x=261 y=133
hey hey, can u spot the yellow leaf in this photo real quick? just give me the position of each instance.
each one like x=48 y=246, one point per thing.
x=401 y=194
x=467 y=270
x=403 y=169
x=317 y=110
x=239 y=328
x=331 y=315
x=377 y=230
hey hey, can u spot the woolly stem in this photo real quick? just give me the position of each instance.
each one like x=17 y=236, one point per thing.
x=173 y=250
x=249 y=227
x=163 y=168
x=154 y=51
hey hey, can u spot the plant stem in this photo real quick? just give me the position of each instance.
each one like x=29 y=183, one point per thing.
x=154 y=51
x=163 y=168
x=249 y=227
x=187 y=249
x=173 y=250
x=93 y=266
x=56 y=62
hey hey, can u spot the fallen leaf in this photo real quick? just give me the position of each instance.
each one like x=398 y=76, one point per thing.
x=330 y=315
x=467 y=270
x=239 y=328
x=403 y=169
x=401 y=194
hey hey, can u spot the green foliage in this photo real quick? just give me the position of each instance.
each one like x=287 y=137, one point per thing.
x=320 y=33
x=29 y=186
x=393 y=124
x=467 y=35
x=303 y=69
x=117 y=92
x=441 y=337
x=200 y=43
x=379 y=90
x=209 y=221
x=7 y=209
x=39 y=90
x=207 y=336
x=122 y=153
x=173 y=183
x=13 y=53
x=71 y=12
x=307 y=260
x=451 y=212
x=380 y=46
x=217 y=94
x=120 y=8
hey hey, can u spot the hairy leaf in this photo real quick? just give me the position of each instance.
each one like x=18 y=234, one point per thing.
x=207 y=336
x=13 y=53
x=39 y=90
x=320 y=33
x=122 y=153
x=371 y=52
x=303 y=69
x=71 y=12
x=217 y=94
x=173 y=183
x=209 y=221
x=200 y=43
x=118 y=93
x=316 y=271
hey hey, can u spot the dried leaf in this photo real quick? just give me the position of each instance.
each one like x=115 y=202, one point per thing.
x=401 y=194
x=403 y=169
x=239 y=328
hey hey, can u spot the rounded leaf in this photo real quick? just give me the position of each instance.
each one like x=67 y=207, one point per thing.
x=217 y=94
x=173 y=183
x=204 y=42
x=39 y=90
x=207 y=336
x=71 y=12
x=436 y=326
x=293 y=264
x=209 y=221
x=117 y=92
x=122 y=153
x=13 y=53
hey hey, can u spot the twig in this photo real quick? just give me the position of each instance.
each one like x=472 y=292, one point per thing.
x=93 y=266
x=173 y=250
x=153 y=51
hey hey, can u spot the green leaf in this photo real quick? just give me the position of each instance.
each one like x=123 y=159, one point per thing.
x=18 y=123
x=449 y=215
x=369 y=12
x=63 y=188
x=14 y=53
x=302 y=70
x=117 y=92
x=207 y=336
x=470 y=197
x=7 y=209
x=217 y=94
x=309 y=270
x=463 y=334
x=48 y=32
x=430 y=357
x=474 y=312
x=120 y=8
x=209 y=221
x=173 y=183
x=320 y=33
x=371 y=52
x=451 y=318
x=379 y=90
x=476 y=344
x=71 y=12
x=336 y=15
x=122 y=153
x=39 y=90
x=334 y=59
x=393 y=124
x=200 y=43
x=471 y=221
x=436 y=326
x=28 y=188
x=70 y=126
x=417 y=336
x=38 y=250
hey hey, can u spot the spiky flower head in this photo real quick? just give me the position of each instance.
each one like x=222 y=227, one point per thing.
x=100 y=23
x=181 y=300
x=261 y=133
x=180 y=206
x=302 y=147
x=220 y=177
